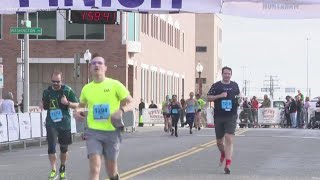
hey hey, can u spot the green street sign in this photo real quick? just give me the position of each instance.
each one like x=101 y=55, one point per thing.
x=23 y=30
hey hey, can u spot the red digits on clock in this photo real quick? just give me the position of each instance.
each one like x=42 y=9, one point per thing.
x=106 y=15
x=90 y=16
x=96 y=16
x=83 y=14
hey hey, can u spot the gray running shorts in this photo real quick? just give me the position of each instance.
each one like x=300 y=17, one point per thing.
x=225 y=124
x=106 y=143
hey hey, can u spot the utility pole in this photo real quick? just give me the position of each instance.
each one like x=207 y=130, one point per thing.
x=271 y=84
x=245 y=88
x=308 y=92
x=244 y=80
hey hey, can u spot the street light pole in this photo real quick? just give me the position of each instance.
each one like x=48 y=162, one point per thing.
x=199 y=69
x=26 y=97
x=87 y=58
x=200 y=84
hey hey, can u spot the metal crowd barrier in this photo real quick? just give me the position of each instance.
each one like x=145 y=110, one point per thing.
x=262 y=117
x=23 y=127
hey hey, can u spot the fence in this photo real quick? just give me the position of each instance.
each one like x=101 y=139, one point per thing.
x=246 y=117
x=24 y=126
x=260 y=117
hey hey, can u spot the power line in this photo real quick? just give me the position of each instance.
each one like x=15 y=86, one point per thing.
x=270 y=85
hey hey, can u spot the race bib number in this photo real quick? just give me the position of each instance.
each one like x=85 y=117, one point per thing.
x=101 y=112
x=174 y=111
x=190 y=109
x=56 y=115
x=226 y=105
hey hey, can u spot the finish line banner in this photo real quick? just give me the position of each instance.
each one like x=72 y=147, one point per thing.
x=13 y=6
x=268 y=9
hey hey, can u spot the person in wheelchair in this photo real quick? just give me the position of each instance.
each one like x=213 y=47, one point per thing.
x=315 y=121
x=246 y=115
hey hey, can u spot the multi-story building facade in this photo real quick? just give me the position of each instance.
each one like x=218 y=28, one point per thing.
x=153 y=55
x=208 y=49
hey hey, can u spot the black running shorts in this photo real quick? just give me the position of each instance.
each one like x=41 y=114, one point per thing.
x=225 y=124
x=64 y=137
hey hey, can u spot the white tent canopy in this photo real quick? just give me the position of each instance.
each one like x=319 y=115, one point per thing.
x=280 y=9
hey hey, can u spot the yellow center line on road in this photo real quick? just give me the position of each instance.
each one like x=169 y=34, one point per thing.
x=167 y=160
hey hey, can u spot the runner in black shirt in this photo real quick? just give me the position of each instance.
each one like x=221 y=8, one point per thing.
x=224 y=94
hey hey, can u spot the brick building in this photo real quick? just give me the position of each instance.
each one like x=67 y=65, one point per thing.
x=153 y=55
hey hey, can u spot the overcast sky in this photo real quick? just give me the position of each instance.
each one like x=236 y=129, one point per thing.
x=256 y=48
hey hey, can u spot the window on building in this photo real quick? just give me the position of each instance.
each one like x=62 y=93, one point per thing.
x=171 y=36
x=220 y=34
x=152 y=27
x=162 y=95
x=201 y=49
x=145 y=23
x=183 y=42
x=177 y=38
x=1 y=26
x=152 y=85
x=157 y=27
x=147 y=85
x=95 y=31
x=174 y=85
x=182 y=87
x=179 y=88
x=85 y=31
x=163 y=30
x=133 y=26
x=157 y=88
x=148 y=24
x=165 y=85
x=46 y=20
x=142 y=83
x=170 y=85
x=74 y=31
x=204 y=80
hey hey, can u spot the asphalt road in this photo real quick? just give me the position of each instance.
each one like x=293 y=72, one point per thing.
x=150 y=153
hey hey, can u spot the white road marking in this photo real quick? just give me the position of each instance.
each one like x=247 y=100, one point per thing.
x=205 y=135
x=301 y=137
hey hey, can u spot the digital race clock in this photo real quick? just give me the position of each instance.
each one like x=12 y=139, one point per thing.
x=94 y=17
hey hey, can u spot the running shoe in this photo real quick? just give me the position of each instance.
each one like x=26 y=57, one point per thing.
x=53 y=175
